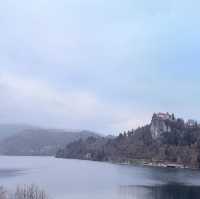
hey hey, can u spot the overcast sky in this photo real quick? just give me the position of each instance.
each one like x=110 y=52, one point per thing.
x=98 y=64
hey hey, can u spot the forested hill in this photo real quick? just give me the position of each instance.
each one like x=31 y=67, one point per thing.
x=165 y=140
x=39 y=141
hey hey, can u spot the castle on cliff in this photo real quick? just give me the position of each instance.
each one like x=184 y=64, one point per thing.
x=160 y=123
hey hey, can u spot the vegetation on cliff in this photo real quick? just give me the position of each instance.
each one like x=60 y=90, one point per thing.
x=180 y=145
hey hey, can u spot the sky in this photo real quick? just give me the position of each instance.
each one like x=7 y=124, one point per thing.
x=105 y=66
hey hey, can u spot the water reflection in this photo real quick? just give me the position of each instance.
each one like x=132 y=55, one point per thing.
x=5 y=173
x=168 y=191
x=75 y=179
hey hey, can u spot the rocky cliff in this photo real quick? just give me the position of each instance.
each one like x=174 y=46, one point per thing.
x=159 y=125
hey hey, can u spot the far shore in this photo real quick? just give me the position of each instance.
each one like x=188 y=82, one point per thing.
x=142 y=162
x=155 y=164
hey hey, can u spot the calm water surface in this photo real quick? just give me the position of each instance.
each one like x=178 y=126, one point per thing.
x=75 y=179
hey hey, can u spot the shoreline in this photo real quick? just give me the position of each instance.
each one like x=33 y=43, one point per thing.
x=158 y=164
x=139 y=162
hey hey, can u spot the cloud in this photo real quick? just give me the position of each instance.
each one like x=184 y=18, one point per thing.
x=36 y=102
x=100 y=65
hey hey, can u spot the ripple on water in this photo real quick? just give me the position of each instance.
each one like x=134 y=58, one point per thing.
x=5 y=173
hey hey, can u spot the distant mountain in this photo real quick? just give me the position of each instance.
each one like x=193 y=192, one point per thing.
x=26 y=140
x=7 y=130
x=166 y=141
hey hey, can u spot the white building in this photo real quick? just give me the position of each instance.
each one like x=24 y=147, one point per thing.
x=164 y=116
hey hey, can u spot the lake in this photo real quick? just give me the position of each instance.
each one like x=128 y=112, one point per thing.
x=76 y=179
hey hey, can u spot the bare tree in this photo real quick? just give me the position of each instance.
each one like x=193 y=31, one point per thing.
x=30 y=192
x=3 y=193
x=24 y=192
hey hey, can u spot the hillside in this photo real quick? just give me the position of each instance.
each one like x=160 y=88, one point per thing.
x=7 y=130
x=166 y=140
x=38 y=141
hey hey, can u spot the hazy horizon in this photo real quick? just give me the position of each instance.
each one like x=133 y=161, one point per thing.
x=98 y=65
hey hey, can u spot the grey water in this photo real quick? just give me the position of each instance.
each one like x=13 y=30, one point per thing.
x=76 y=179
